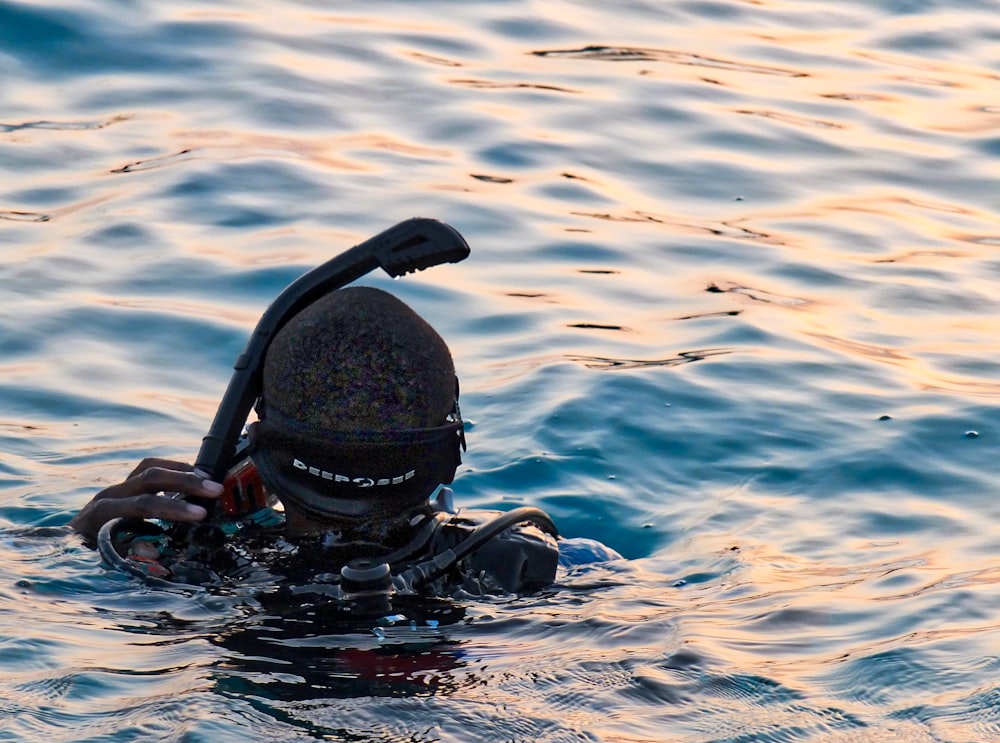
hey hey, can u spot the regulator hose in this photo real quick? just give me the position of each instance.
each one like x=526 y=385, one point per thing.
x=422 y=572
x=106 y=546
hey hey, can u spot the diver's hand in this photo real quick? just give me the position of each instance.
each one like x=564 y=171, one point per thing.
x=141 y=496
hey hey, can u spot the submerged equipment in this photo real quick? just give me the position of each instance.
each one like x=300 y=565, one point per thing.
x=365 y=579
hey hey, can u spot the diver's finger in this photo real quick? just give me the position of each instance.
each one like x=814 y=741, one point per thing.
x=167 y=464
x=149 y=506
x=160 y=479
x=95 y=514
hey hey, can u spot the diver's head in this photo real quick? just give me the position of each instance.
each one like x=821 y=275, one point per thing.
x=358 y=413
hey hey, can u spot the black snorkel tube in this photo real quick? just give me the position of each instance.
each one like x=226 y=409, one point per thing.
x=421 y=573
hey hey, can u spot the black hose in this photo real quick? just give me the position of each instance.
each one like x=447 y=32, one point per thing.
x=106 y=546
x=422 y=572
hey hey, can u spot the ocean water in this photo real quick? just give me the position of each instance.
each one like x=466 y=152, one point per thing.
x=731 y=308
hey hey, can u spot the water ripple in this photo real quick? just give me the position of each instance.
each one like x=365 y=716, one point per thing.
x=632 y=54
x=731 y=308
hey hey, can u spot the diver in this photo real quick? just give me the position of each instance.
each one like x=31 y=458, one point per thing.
x=338 y=489
x=327 y=517
x=343 y=476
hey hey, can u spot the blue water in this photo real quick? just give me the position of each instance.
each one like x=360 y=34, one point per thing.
x=731 y=308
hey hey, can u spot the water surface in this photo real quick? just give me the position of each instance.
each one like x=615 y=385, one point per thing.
x=731 y=308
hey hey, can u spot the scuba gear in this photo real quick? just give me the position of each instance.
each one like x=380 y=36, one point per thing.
x=365 y=575
x=412 y=245
x=514 y=567
x=122 y=530
x=440 y=545
x=242 y=491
